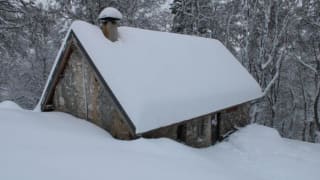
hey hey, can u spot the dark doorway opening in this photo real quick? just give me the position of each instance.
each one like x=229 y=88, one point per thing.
x=181 y=132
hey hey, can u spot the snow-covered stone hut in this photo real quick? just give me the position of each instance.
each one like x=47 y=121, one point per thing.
x=142 y=83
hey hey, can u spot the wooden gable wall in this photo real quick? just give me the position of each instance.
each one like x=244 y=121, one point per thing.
x=76 y=88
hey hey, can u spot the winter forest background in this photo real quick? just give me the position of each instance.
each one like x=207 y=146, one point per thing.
x=278 y=41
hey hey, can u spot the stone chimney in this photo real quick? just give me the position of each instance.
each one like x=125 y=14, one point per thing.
x=108 y=19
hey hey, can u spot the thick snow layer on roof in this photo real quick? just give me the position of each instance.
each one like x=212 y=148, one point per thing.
x=163 y=78
x=111 y=13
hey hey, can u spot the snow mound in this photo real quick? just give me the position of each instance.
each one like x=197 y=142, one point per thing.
x=254 y=137
x=55 y=146
x=110 y=12
x=9 y=105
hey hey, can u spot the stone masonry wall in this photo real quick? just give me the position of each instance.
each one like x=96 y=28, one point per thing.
x=80 y=93
x=232 y=118
x=205 y=130
x=191 y=135
x=198 y=132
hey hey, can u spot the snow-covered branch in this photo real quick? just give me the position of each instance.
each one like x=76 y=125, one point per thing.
x=264 y=65
x=276 y=76
x=276 y=41
x=298 y=59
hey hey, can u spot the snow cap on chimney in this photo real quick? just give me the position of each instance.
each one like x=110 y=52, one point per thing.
x=110 y=12
x=108 y=19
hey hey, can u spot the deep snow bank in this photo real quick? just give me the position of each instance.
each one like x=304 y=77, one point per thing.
x=55 y=146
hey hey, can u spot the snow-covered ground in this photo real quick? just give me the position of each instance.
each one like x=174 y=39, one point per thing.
x=57 y=146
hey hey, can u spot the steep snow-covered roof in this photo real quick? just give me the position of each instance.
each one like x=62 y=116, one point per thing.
x=110 y=12
x=163 y=78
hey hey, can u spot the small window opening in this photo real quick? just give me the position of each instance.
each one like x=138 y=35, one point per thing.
x=214 y=119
